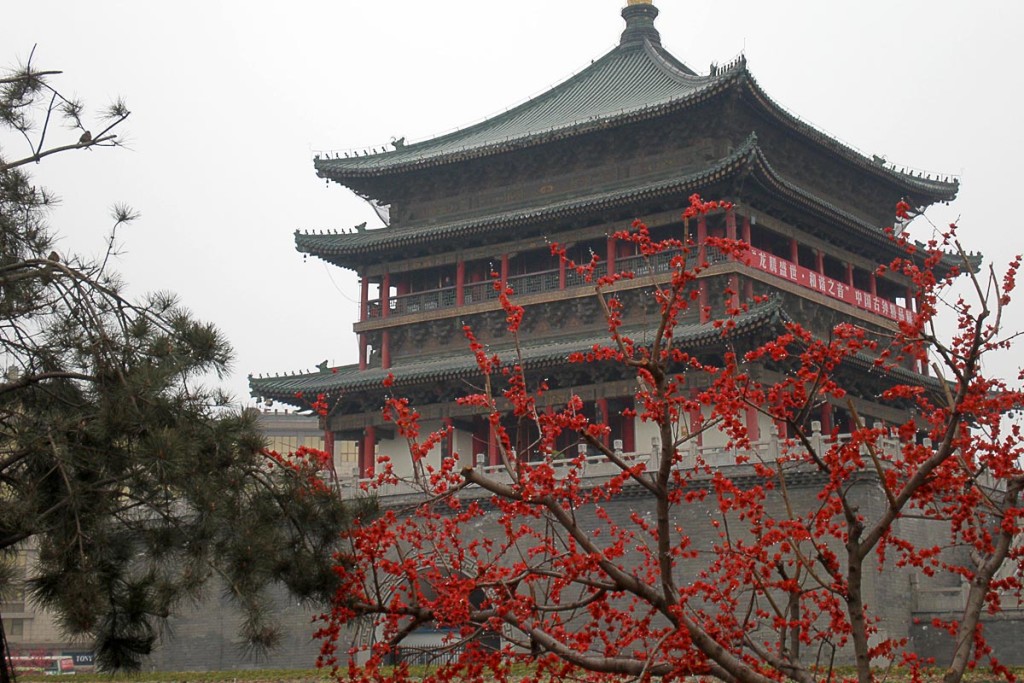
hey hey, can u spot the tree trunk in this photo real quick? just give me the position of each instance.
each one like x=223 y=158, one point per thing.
x=6 y=665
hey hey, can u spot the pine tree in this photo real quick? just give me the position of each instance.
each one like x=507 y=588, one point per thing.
x=136 y=482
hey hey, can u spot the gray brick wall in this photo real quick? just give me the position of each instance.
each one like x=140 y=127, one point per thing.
x=1004 y=632
x=205 y=637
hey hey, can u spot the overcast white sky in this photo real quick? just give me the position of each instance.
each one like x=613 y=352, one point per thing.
x=230 y=98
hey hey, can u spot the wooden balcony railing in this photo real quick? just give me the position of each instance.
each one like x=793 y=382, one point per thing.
x=524 y=285
x=551 y=281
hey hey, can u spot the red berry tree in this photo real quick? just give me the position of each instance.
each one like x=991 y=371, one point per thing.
x=527 y=563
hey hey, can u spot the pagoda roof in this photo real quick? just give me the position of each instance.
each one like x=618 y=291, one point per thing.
x=637 y=80
x=335 y=246
x=539 y=354
x=618 y=87
x=768 y=317
x=748 y=161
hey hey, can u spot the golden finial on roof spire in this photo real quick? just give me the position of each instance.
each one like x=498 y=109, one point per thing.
x=639 y=2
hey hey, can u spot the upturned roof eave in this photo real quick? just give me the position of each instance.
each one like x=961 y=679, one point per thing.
x=881 y=238
x=749 y=157
x=936 y=190
x=350 y=250
x=554 y=134
x=397 y=162
x=736 y=76
x=335 y=245
x=298 y=388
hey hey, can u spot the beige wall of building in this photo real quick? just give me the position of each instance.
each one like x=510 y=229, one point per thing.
x=287 y=431
x=33 y=637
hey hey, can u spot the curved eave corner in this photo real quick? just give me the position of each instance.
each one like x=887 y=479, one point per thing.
x=313 y=244
x=348 y=249
x=348 y=176
x=299 y=389
x=918 y=188
x=672 y=86
x=774 y=182
x=334 y=246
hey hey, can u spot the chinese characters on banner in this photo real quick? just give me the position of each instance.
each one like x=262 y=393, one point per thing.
x=805 y=277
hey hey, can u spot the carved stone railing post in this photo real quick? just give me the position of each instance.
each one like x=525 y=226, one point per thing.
x=816 y=440
x=652 y=464
x=773 y=443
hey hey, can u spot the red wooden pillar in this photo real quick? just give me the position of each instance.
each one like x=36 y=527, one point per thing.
x=827 y=423
x=368 y=453
x=873 y=284
x=696 y=419
x=561 y=273
x=753 y=426
x=730 y=224
x=628 y=434
x=611 y=255
x=734 y=280
x=602 y=417
x=794 y=251
x=493 y=455
x=781 y=425
x=504 y=270
x=916 y=305
x=549 y=412
x=448 y=444
x=460 y=283
x=364 y=314
x=702 y=301
x=702 y=236
x=748 y=284
x=819 y=261
x=364 y=298
x=702 y=286
x=849 y=275
x=734 y=297
x=329 y=445
x=385 y=312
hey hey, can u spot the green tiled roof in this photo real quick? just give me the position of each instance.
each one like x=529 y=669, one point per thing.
x=368 y=241
x=877 y=238
x=345 y=249
x=349 y=378
x=633 y=79
x=637 y=80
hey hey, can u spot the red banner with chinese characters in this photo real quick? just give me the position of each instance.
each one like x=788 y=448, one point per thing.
x=834 y=289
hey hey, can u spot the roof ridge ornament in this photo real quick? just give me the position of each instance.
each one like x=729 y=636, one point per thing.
x=640 y=16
